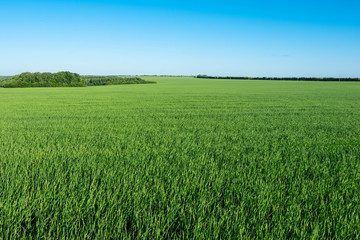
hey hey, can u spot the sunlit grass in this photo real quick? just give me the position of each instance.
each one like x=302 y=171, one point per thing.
x=183 y=158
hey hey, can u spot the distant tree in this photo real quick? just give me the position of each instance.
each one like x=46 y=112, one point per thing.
x=60 y=79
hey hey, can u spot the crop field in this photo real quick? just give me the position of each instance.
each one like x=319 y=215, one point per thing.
x=184 y=158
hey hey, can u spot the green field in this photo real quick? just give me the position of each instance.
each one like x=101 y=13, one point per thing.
x=183 y=158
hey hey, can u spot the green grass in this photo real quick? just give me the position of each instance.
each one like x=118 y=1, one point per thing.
x=183 y=158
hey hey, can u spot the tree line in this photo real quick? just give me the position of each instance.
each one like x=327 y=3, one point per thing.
x=65 y=79
x=113 y=80
x=46 y=79
x=285 y=78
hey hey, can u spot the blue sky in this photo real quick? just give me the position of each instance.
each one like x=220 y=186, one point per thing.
x=238 y=38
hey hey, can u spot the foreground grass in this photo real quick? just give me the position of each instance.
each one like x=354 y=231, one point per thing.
x=185 y=158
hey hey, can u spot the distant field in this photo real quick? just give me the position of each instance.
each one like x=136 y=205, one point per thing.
x=183 y=158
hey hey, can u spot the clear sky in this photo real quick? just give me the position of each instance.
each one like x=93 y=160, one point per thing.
x=239 y=38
